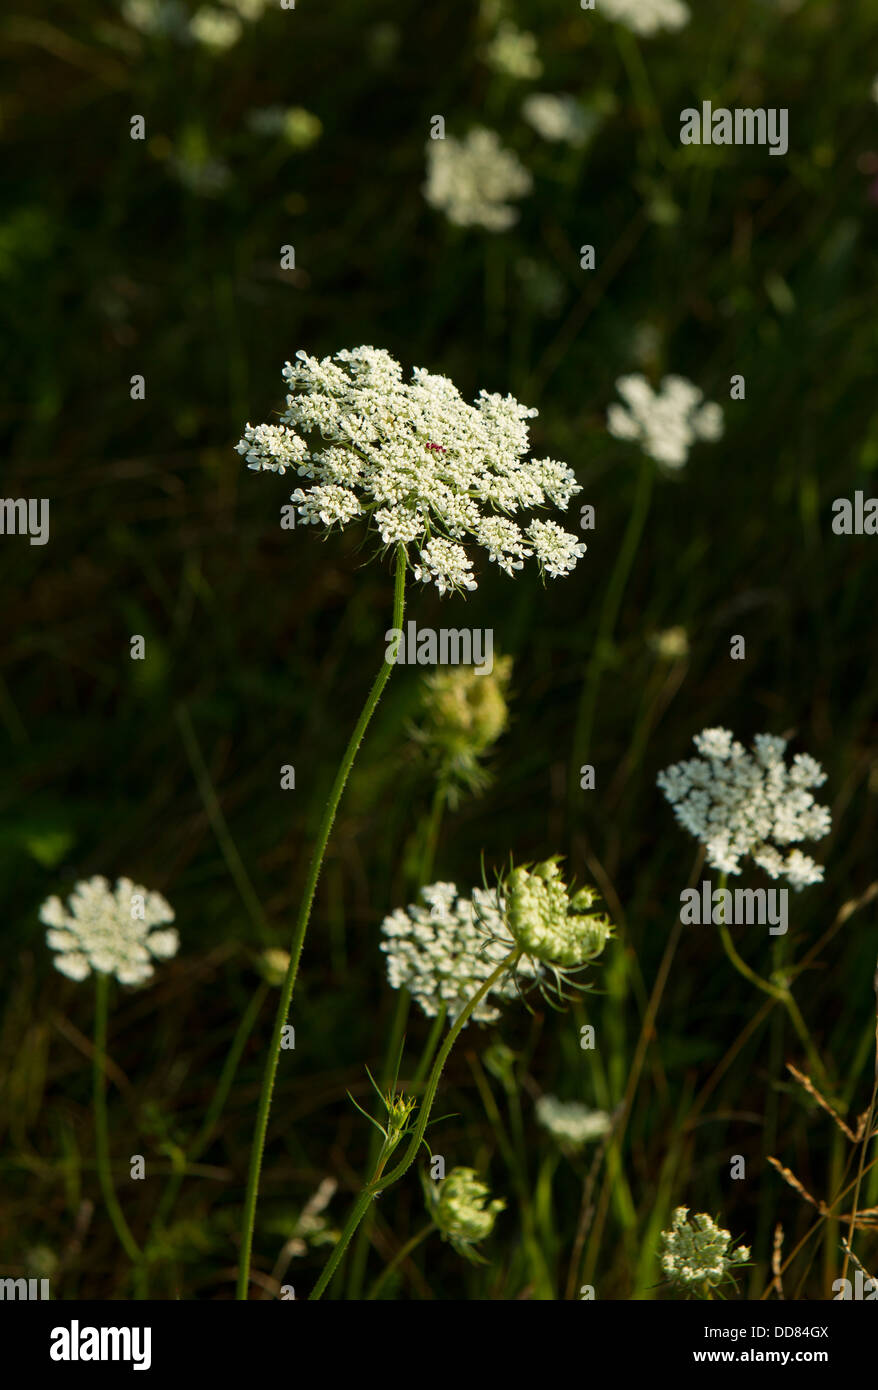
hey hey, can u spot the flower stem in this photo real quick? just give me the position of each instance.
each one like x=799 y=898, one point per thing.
x=102 y=1142
x=778 y=992
x=378 y=1182
x=298 y=939
x=183 y=1158
x=401 y=1254
x=357 y=1266
x=607 y=621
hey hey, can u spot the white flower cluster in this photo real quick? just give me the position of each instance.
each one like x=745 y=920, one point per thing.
x=646 y=17
x=513 y=52
x=666 y=423
x=556 y=117
x=696 y=1254
x=113 y=932
x=443 y=951
x=571 y=1122
x=473 y=180
x=428 y=468
x=737 y=803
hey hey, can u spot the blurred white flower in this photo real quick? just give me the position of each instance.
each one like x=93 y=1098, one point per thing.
x=740 y=804
x=670 y=645
x=426 y=468
x=299 y=127
x=513 y=52
x=251 y=10
x=200 y=173
x=666 y=423
x=167 y=17
x=216 y=29
x=473 y=180
x=556 y=117
x=312 y=1227
x=113 y=932
x=646 y=17
x=697 y=1254
x=571 y=1122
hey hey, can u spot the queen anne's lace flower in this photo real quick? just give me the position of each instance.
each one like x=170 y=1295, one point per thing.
x=458 y=1207
x=473 y=180
x=738 y=804
x=428 y=469
x=443 y=951
x=646 y=17
x=112 y=932
x=550 y=925
x=697 y=1255
x=571 y=1122
x=666 y=423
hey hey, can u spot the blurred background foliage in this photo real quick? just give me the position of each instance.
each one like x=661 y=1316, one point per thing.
x=162 y=257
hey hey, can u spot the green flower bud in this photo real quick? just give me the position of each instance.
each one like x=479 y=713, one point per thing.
x=272 y=965
x=466 y=713
x=459 y=1210
x=548 y=923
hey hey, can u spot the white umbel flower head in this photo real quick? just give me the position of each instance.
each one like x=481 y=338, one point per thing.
x=570 y=1122
x=697 y=1254
x=665 y=423
x=114 y=932
x=740 y=804
x=428 y=470
x=474 y=180
x=443 y=950
x=646 y=17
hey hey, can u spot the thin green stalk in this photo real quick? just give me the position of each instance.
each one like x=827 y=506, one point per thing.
x=868 y=1134
x=298 y=939
x=215 y=1109
x=378 y=1182
x=401 y=1254
x=213 y=810
x=357 y=1268
x=102 y=1141
x=778 y=992
x=607 y=621
x=429 y=1047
